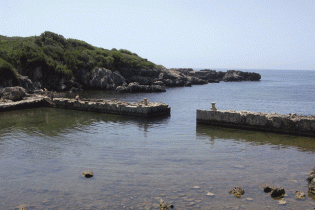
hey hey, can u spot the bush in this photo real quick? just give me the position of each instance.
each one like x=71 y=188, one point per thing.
x=7 y=73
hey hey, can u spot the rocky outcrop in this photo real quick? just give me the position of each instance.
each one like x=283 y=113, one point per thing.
x=13 y=93
x=277 y=192
x=212 y=76
x=311 y=181
x=27 y=84
x=87 y=174
x=100 y=78
x=134 y=87
x=233 y=75
x=237 y=192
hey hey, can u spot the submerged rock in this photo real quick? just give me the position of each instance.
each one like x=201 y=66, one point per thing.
x=311 y=181
x=277 y=192
x=299 y=195
x=87 y=174
x=237 y=192
x=163 y=205
x=268 y=188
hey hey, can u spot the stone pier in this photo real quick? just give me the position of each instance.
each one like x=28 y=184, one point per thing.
x=271 y=122
x=143 y=108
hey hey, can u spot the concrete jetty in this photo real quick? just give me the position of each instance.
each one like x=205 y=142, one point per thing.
x=271 y=122
x=143 y=108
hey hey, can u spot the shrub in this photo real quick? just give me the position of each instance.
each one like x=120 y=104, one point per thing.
x=8 y=73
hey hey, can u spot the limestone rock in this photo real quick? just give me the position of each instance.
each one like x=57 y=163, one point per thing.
x=163 y=205
x=299 y=195
x=277 y=192
x=87 y=174
x=26 y=83
x=13 y=93
x=237 y=191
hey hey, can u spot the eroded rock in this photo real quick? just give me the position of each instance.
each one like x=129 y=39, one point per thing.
x=87 y=174
x=268 y=188
x=277 y=192
x=13 y=93
x=299 y=195
x=237 y=192
x=163 y=205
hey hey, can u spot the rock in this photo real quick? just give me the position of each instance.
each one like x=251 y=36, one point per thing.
x=87 y=174
x=163 y=205
x=311 y=176
x=237 y=192
x=311 y=186
x=26 y=83
x=299 y=195
x=268 y=188
x=277 y=192
x=282 y=202
x=232 y=75
x=171 y=206
x=210 y=194
x=134 y=87
x=13 y=93
x=311 y=181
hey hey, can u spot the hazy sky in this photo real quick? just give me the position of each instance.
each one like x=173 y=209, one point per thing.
x=262 y=34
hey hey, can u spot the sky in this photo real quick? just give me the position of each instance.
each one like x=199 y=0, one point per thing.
x=213 y=34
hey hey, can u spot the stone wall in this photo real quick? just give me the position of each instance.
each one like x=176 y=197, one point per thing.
x=290 y=123
x=142 y=108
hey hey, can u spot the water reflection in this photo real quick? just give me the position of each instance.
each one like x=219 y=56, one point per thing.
x=257 y=138
x=52 y=122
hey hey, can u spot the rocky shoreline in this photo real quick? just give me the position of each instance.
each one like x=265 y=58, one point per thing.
x=130 y=80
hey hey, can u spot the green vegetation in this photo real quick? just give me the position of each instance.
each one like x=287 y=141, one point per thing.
x=7 y=73
x=56 y=55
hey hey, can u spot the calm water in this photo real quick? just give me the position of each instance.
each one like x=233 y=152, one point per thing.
x=136 y=161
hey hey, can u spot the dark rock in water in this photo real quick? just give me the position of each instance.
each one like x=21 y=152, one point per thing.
x=277 y=192
x=299 y=195
x=237 y=192
x=163 y=205
x=87 y=174
x=311 y=176
x=171 y=206
x=233 y=75
x=268 y=188
x=311 y=181
x=13 y=93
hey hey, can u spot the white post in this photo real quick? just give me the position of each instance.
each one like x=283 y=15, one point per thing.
x=213 y=107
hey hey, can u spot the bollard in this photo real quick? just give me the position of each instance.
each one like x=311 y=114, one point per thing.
x=145 y=101
x=213 y=107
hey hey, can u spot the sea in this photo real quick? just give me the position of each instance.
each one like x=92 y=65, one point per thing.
x=136 y=161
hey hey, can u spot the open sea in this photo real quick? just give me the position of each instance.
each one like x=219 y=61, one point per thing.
x=136 y=161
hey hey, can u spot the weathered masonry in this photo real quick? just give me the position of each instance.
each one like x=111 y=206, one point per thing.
x=290 y=123
x=143 y=108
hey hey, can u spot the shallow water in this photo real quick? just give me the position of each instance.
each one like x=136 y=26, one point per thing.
x=137 y=161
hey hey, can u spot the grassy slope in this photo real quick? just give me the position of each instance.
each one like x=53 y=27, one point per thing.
x=63 y=57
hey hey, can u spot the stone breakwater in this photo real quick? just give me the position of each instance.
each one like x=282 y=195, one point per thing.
x=272 y=122
x=30 y=102
x=142 y=108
